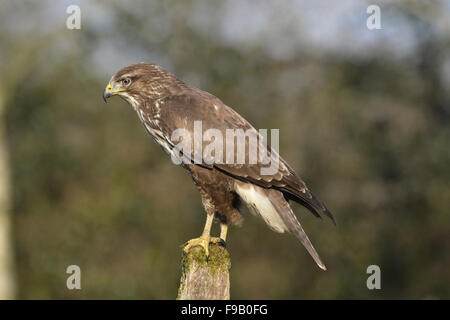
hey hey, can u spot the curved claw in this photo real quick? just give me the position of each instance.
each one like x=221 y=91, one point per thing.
x=201 y=242
x=218 y=241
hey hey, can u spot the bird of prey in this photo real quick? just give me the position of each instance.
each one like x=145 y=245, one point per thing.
x=164 y=104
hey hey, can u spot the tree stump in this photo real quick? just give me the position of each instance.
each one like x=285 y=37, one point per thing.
x=202 y=279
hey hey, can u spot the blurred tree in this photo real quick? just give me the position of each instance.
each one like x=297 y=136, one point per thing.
x=7 y=285
x=22 y=60
x=367 y=130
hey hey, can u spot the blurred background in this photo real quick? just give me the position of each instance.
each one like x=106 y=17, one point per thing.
x=363 y=117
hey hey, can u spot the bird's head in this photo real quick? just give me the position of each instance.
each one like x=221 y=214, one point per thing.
x=138 y=82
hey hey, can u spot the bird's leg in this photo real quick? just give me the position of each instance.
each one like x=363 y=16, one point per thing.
x=223 y=235
x=203 y=240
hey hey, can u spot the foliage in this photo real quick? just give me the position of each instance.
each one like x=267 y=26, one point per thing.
x=369 y=134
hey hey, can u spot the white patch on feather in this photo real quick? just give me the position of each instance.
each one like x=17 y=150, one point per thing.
x=259 y=203
x=156 y=134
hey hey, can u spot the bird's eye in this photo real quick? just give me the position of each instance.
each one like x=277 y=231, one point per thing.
x=126 y=81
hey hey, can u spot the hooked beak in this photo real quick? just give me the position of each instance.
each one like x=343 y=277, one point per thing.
x=107 y=92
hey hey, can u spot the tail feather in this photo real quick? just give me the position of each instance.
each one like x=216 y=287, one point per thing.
x=290 y=220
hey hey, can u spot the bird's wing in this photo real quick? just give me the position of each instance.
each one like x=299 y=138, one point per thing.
x=181 y=111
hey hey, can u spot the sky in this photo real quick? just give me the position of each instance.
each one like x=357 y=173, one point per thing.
x=282 y=29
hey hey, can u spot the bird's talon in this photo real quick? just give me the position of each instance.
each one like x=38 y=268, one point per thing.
x=218 y=241
x=200 y=242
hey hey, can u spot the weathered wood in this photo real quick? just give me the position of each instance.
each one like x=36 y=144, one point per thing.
x=202 y=279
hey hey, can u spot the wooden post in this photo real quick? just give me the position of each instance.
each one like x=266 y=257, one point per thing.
x=205 y=280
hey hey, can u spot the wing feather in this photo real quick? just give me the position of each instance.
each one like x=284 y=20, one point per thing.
x=182 y=110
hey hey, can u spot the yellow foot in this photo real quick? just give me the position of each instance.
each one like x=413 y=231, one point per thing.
x=202 y=241
x=217 y=240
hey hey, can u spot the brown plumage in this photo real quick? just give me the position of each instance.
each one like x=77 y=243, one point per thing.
x=165 y=104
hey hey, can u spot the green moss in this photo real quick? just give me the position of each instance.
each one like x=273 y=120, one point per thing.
x=219 y=258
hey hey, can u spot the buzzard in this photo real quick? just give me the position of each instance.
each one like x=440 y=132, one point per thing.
x=165 y=104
